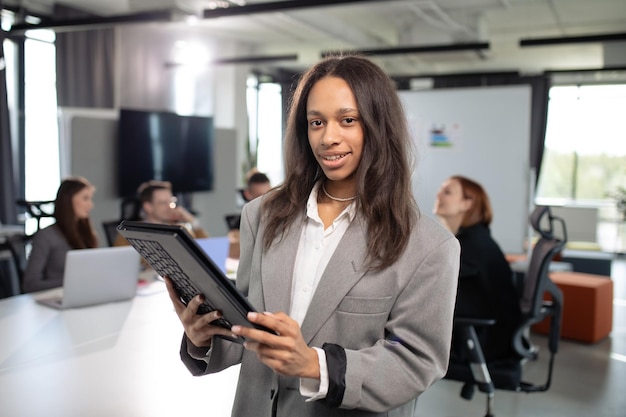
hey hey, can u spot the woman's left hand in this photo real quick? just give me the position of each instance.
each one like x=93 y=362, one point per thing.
x=285 y=352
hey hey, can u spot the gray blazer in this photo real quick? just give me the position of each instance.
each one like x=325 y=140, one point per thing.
x=395 y=325
x=46 y=262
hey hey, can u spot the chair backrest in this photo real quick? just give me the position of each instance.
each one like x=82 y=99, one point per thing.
x=536 y=281
x=537 y=284
x=110 y=230
x=130 y=209
x=18 y=246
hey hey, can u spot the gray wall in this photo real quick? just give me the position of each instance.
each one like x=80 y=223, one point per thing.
x=88 y=149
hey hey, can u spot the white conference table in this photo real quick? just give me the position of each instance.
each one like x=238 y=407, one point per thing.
x=118 y=359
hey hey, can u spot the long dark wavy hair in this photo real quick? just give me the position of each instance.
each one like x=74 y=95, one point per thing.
x=79 y=233
x=383 y=177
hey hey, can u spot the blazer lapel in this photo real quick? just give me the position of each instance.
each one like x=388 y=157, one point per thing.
x=277 y=270
x=344 y=269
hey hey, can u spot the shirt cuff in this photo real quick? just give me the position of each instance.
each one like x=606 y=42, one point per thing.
x=198 y=353
x=313 y=388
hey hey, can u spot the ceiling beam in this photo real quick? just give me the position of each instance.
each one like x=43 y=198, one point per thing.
x=87 y=23
x=617 y=68
x=277 y=6
x=168 y=15
x=419 y=49
x=253 y=59
x=608 y=37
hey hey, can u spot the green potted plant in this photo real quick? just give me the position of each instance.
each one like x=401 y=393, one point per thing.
x=619 y=195
x=620 y=201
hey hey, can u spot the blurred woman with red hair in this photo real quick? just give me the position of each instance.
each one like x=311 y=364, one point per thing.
x=486 y=288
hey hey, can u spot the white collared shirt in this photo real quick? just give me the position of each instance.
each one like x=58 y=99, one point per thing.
x=315 y=248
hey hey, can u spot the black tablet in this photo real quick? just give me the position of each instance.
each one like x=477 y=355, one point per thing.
x=174 y=253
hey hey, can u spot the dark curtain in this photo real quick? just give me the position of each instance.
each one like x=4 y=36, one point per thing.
x=8 y=176
x=85 y=62
x=539 y=119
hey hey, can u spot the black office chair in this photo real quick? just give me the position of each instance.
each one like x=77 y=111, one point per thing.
x=110 y=230
x=130 y=209
x=507 y=373
x=37 y=209
x=17 y=246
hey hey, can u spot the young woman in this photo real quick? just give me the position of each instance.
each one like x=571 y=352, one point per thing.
x=72 y=230
x=486 y=288
x=360 y=286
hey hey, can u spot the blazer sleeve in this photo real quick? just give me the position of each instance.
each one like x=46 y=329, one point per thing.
x=224 y=353
x=46 y=261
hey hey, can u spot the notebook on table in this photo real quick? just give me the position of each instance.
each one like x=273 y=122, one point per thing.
x=97 y=276
x=174 y=253
x=217 y=249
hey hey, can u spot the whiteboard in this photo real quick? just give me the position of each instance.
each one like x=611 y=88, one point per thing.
x=484 y=134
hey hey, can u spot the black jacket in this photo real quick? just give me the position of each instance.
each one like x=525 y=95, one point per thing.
x=486 y=289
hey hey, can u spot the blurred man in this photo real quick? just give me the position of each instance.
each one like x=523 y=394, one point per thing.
x=258 y=184
x=158 y=205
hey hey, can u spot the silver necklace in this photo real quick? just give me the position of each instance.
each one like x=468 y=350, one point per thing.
x=341 y=200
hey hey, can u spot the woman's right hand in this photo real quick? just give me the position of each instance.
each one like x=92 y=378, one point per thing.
x=198 y=328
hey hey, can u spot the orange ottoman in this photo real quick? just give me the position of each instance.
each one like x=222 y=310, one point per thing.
x=587 y=306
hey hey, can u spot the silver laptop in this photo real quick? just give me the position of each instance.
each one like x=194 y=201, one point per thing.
x=97 y=276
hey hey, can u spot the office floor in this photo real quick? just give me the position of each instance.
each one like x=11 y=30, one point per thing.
x=588 y=379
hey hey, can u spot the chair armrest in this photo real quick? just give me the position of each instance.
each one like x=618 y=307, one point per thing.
x=474 y=321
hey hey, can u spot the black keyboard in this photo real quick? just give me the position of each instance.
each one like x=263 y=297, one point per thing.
x=165 y=266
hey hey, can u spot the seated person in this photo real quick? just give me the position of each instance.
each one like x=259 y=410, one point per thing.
x=486 y=288
x=257 y=184
x=158 y=205
x=72 y=230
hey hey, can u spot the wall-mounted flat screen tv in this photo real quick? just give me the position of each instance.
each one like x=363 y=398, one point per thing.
x=156 y=145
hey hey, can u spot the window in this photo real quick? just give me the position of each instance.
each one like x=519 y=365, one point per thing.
x=264 y=101
x=42 y=170
x=584 y=160
x=41 y=165
x=10 y=56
